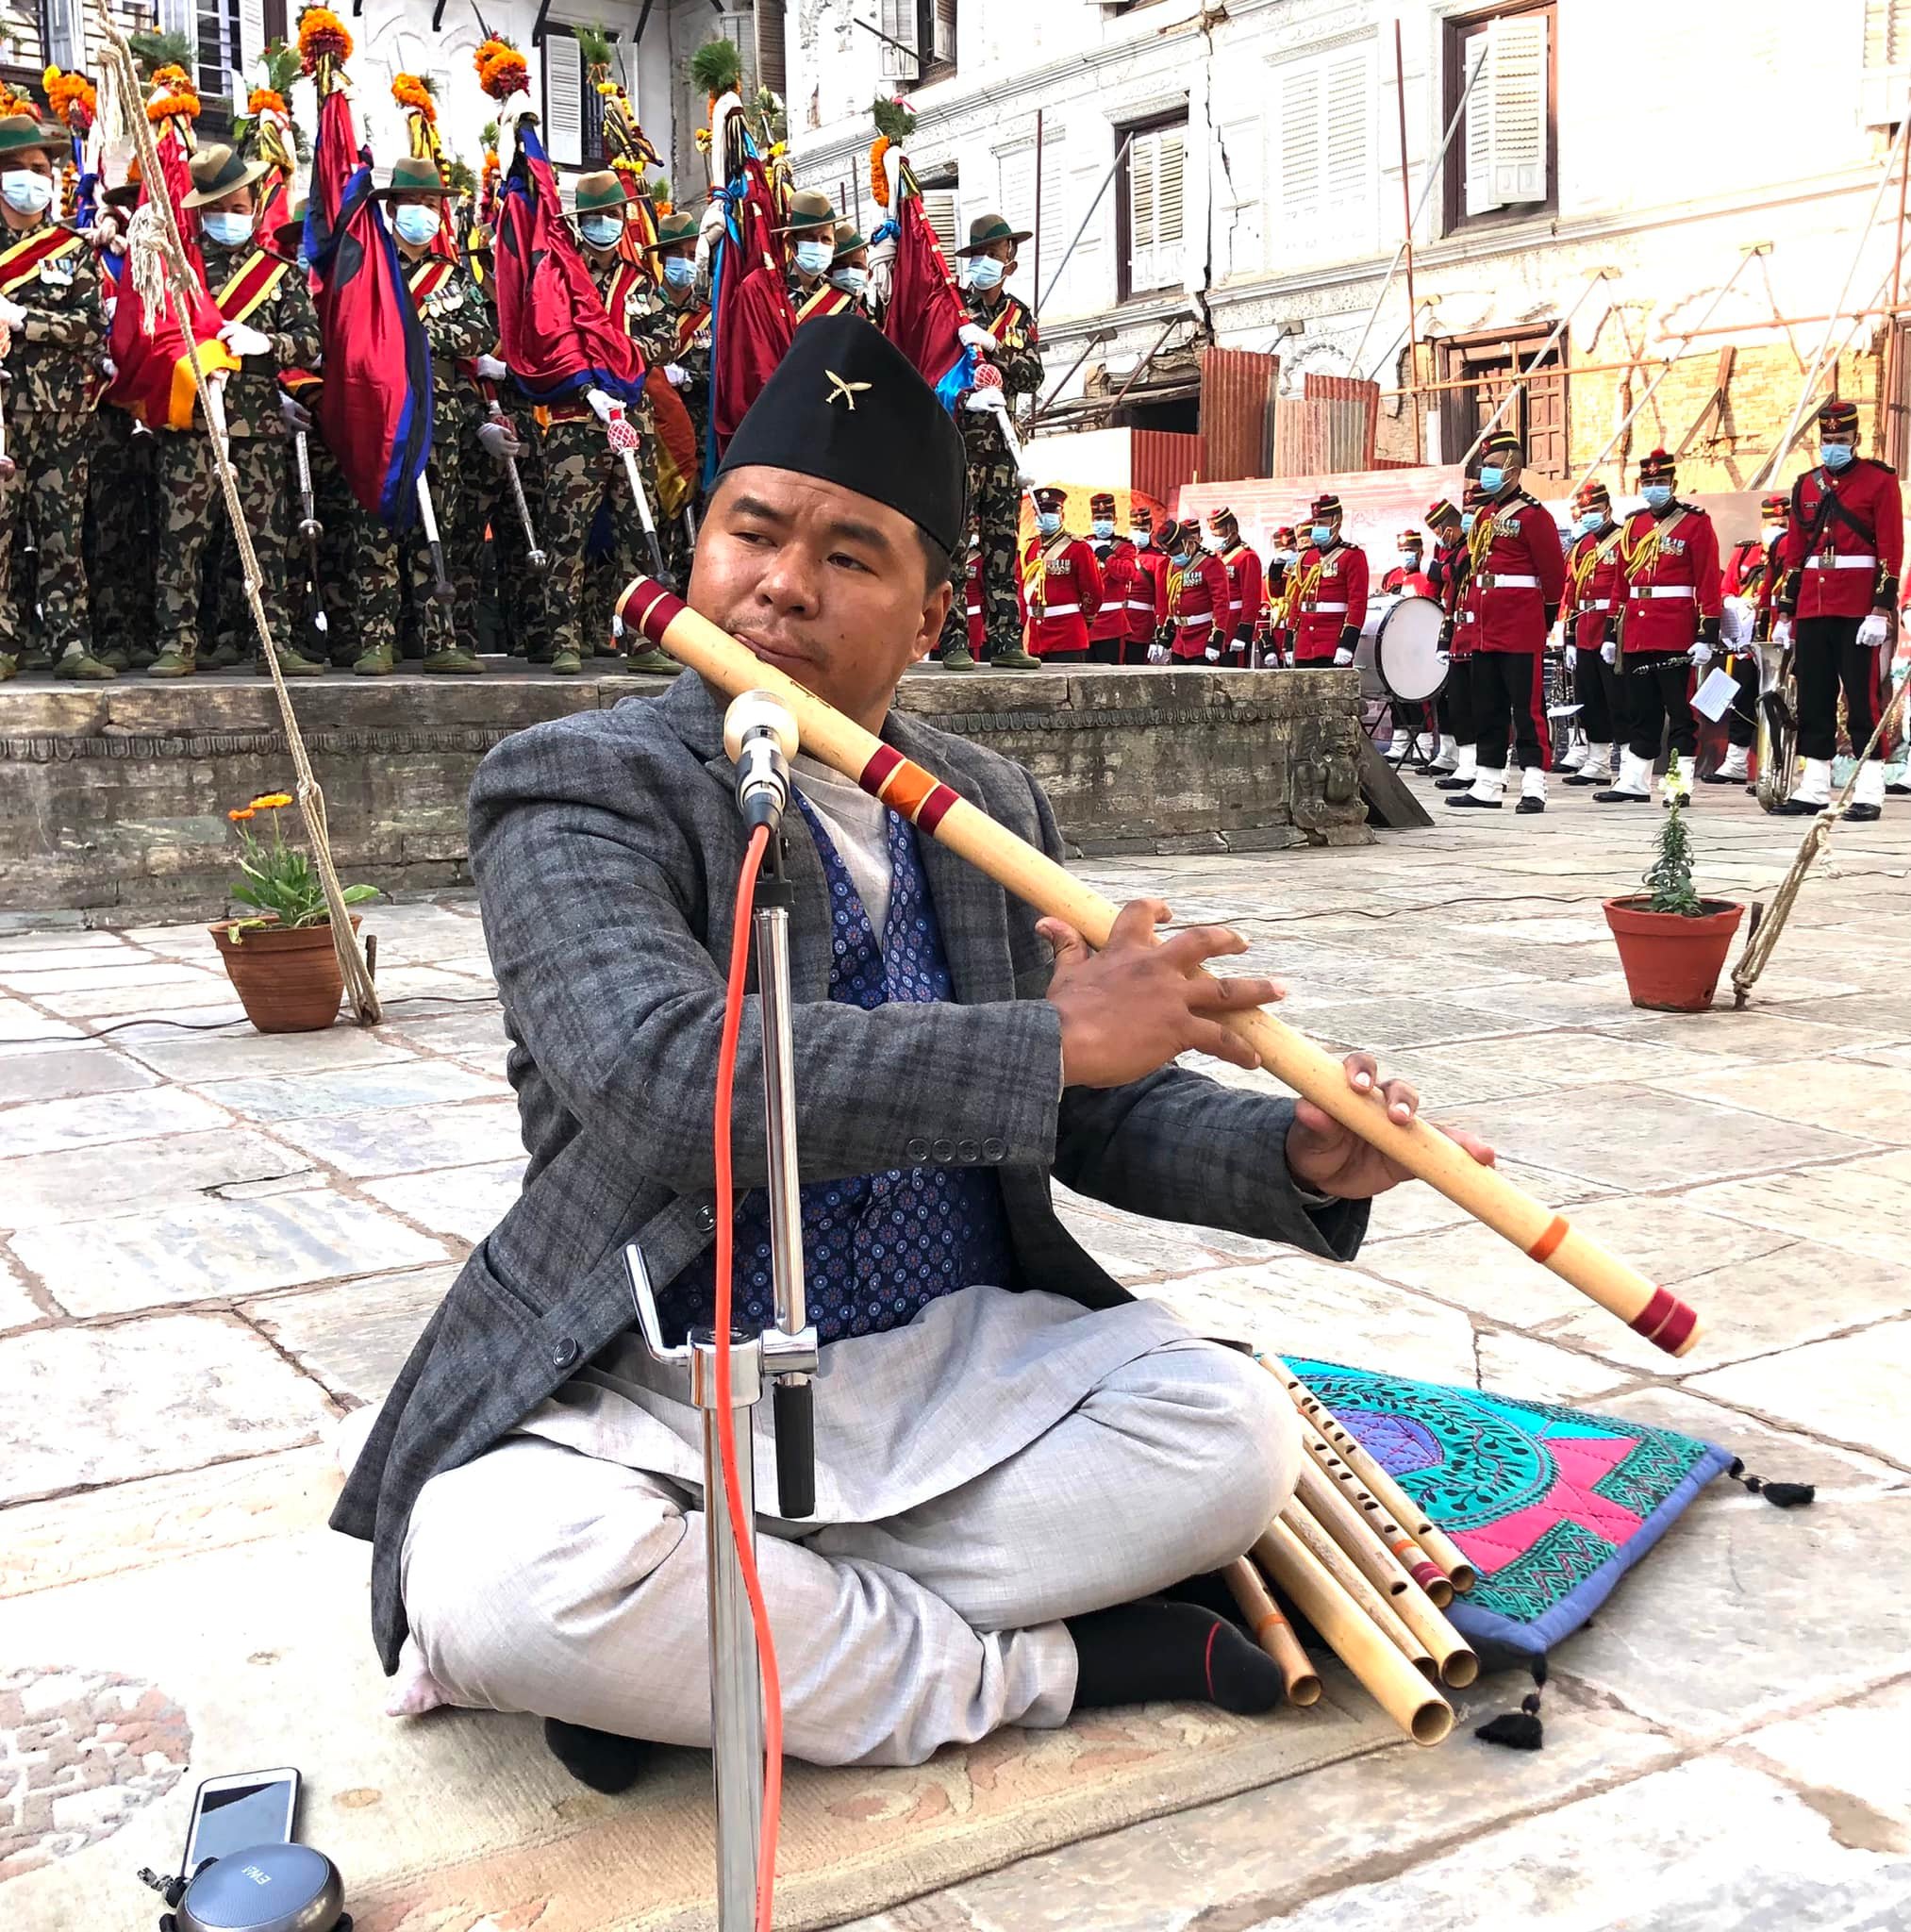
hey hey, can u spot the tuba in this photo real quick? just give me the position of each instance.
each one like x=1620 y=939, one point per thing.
x=1777 y=727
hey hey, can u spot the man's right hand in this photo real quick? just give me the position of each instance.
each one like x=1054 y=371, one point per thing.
x=1135 y=1005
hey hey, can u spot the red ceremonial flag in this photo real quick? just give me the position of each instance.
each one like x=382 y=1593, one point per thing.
x=751 y=321
x=375 y=407
x=154 y=378
x=676 y=442
x=925 y=314
x=553 y=328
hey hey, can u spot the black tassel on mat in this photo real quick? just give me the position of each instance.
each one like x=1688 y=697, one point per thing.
x=1519 y=1730
x=1780 y=1495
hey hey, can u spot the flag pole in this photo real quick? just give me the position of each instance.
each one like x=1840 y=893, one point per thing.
x=622 y=434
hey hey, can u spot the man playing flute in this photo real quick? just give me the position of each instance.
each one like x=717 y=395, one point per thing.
x=1017 y=1462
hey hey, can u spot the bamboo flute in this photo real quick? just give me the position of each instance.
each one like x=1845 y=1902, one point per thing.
x=1371 y=1605
x=1273 y=1631
x=1351 y=1530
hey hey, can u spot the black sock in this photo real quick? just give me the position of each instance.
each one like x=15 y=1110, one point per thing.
x=1138 y=1652
x=601 y=1759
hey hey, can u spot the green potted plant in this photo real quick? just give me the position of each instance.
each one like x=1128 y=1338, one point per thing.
x=279 y=957
x=1672 y=942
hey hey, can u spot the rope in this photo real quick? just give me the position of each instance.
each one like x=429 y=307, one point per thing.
x=1765 y=931
x=158 y=253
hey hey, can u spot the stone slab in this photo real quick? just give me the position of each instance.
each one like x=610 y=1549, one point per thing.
x=75 y=1184
x=1848 y=1389
x=1851 y=1098
x=217 y=1250
x=68 y=1074
x=1835 y=1206
x=354 y=1338
x=1853 y=1763
x=197 y=1058
x=46 y=1127
x=473 y=1034
x=91 y=1406
x=409 y=1140
x=374 y=1088
x=464 y=1202
x=17 y=1306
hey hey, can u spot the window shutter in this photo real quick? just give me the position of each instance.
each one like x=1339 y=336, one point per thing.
x=1056 y=225
x=901 y=51
x=1507 y=116
x=563 y=100
x=179 y=17
x=939 y=205
x=64 y=36
x=1888 y=33
x=251 y=45
x=771 y=67
x=1299 y=158
x=1345 y=134
x=1155 y=209
x=945 y=31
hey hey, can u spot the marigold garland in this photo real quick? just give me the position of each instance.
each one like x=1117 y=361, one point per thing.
x=322 y=37
x=410 y=90
x=501 y=68
x=73 y=98
x=173 y=97
x=265 y=100
x=879 y=182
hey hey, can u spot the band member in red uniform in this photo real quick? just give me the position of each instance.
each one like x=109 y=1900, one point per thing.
x=1519 y=579
x=1669 y=628
x=1330 y=592
x=1194 y=620
x=1121 y=582
x=1844 y=544
x=1061 y=584
x=1453 y=767
x=1276 y=625
x=1407 y=566
x=1592 y=615
x=1244 y=581
x=1751 y=583
x=1415 y=726
x=1148 y=598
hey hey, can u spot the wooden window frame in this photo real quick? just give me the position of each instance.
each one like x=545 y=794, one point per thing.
x=1155 y=123
x=1454 y=32
x=590 y=105
x=1451 y=366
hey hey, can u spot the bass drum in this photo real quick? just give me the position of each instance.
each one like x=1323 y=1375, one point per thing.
x=1407 y=651
x=1367 y=652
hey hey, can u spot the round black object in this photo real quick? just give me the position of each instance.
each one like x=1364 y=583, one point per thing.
x=269 y=1888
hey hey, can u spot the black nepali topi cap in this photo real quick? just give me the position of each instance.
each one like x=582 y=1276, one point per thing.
x=846 y=406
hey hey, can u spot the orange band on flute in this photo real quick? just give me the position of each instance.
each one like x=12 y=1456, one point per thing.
x=906 y=788
x=1555 y=1231
x=1271 y=1617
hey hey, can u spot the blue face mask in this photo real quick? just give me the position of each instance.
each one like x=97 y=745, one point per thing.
x=1466 y=522
x=1321 y=534
x=1656 y=495
x=812 y=258
x=415 y=225
x=1048 y=522
x=1103 y=528
x=601 y=231
x=1410 y=560
x=227 y=230
x=26 y=192
x=1589 y=521
x=1834 y=456
x=984 y=272
x=1491 y=478
x=679 y=270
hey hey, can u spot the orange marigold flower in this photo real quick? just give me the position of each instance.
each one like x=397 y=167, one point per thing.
x=240 y=817
x=503 y=74
x=265 y=100
x=269 y=801
x=408 y=90
x=322 y=37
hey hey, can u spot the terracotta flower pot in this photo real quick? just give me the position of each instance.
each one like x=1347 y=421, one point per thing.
x=286 y=977
x=1671 y=962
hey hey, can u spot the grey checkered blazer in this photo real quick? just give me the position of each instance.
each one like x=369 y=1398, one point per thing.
x=607 y=847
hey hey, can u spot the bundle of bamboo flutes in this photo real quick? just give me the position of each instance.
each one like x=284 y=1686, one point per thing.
x=1366 y=1570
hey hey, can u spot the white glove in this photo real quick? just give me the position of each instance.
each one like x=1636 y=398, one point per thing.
x=676 y=374
x=1780 y=634
x=1609 y=651
x=110 y=309
x=11 y=313
x=973 y=335
x=492 y=370
x=297 y=415
x=1701 y=654
x=497 y=440
x=1572 y=659
x=1157 y=654
x=108 y=368
x=1214 y=654
x=991 y=398
x=243 y=340
x=1874 y=631
x=1342 y=656
x=601 y=404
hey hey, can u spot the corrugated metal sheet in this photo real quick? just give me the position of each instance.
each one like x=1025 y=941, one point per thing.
x=1351 y=388
x=1314 y=434
x=1164 y=459
x=1237 y=389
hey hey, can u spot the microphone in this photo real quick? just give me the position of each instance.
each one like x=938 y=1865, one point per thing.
x=759 y=735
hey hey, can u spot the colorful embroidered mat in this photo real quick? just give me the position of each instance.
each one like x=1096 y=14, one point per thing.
x=1552 y=1505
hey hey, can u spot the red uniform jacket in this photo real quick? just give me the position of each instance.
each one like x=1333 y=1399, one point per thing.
x=1519 y=574
x=1123 y=582
x=1669 y=563
x=978 y=625
x=1592 y=582
x=1331 y=592
x=1062 y=589
x=1148 y=601
x=1273 y=621
x=1195 y=602
x=1753 y=571
x=1844 y=544
x=1245 y=594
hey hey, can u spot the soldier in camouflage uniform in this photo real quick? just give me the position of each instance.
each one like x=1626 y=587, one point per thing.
x=585 y=486
x=277 y=331
x=1000 y=330
x=673 y=331
x=50 y=307
x=458 y=325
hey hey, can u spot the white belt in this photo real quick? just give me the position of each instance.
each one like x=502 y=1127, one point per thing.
x=1330 y=610
x=1841 y=564
x=1194 y=622
x=1140 y=603
x=1061 y=609
x=1596 y=603
x=1664 y=591
x=1498 y=582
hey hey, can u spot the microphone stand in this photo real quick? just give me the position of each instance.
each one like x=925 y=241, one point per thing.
x=787 y=1356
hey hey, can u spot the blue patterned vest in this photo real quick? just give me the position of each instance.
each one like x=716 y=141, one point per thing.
x=879 y=1247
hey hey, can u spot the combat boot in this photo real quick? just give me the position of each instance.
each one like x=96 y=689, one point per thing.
x=291 y=665
x=450 y=663
x=170 y=662
x=1014 y=659
x=376 y=662
x=115 y=658
x=651 y=663
x=224 y=655
x=957 y=657
x=567 y=663
x=10 y=666
x=83 y=666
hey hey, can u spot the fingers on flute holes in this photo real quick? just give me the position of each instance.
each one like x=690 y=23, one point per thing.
x=1218 y=1043
x=1186 y=949
x=1362 y=1071
x=1402 y=1103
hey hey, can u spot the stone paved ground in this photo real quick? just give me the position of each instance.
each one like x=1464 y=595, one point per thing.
x=214 y=1242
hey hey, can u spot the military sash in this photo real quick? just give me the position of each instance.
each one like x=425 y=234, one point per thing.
x=427 y=278
x=823 y=301
x=26 y=259
x=251 y=284
x=691 y=322
x=626 y=284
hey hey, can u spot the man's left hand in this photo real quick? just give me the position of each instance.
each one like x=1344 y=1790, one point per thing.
x=1327 y=1158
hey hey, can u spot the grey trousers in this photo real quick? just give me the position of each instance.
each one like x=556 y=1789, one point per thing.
x=537 y=1578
